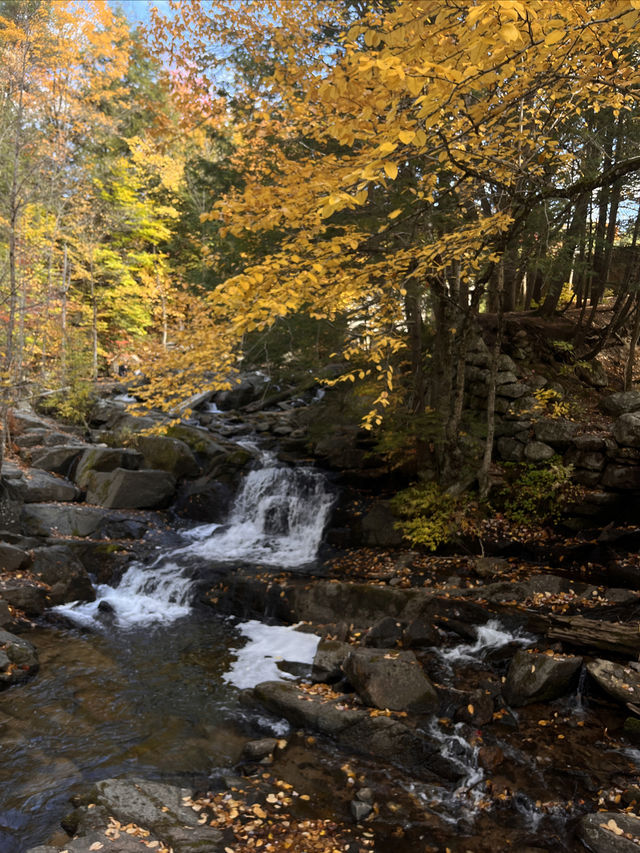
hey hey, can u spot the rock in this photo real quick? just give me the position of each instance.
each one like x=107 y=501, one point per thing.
x=587 y=459
x=478 y=710
x=126 y=489
x=58 y=460
x=621 y=477
x=105 y=459
x=621 y=403
x=23 y=420
x=64 y=573
x=42 y=487
x=207 y=500
x=534 y=677
x=385 y=634
x=160 y=809
x=246 y=390
x=490 y=567
x=604 y=832
x=490 y=758
x=163 y=453
x=328 y=660
x=24 y=594
x=355 y=730
x=557 y=432
x=621 y=682
x=394 y=680
x=360 y=810
x=538 y=451
x=593 y=374
x=75 y=520
x=18 y=659
x=420 y=633
x=255 y=750
x=512 y=391
x=13 y=559
x=626 y=430
x=510 y=449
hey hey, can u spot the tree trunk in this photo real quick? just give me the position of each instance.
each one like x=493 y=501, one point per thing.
x=483 y=473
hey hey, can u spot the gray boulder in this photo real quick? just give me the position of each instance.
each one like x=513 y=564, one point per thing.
x=246 y=390
x=378 y=527
x=125 y=489
x=557 y=432
x=41 y=486
x=385 y=634
x=105 y=459
x=163 y=453
x=626 y=430
x=328 y=660
x=512 y=391
x=510 y=449
x=393 y=680
x=606 y=832
x=534 y=677
x=18 y=659
x=538 y=451
x=50 y=519
x=24 y=594
x=621 y=477
x=58 y=460
x=12 y=559
x=621 y=403
x=64 y=573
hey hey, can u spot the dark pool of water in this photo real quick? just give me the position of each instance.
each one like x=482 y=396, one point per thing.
x=149 y=701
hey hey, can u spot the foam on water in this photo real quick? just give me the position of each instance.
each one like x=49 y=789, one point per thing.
x=258 y=660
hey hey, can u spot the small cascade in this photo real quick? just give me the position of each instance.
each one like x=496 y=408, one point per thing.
x=277 y=519
x=489 y=638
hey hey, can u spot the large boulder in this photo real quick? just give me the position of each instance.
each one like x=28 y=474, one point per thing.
x=621 y=477
x=104 y=459
x=163 y=453
x=557 y=432
x=393 y=680
x=610 y=832
x=75 y=520
x=538 y=451
x=41 y=486
x=126 y=489
x=626 y=430
x=61 y=570
x=534 y=677
x=12 y=559
x=621 y=403
x=18 y=659
x=58 y=460
x=24 y=594
x=245 y=390
x=329 y=658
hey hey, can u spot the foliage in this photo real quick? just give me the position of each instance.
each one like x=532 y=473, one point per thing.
x=431 y=517
x=537 y=494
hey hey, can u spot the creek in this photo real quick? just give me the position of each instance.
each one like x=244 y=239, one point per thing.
x=143 y=683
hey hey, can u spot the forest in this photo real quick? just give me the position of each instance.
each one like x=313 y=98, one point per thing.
x=319 y=426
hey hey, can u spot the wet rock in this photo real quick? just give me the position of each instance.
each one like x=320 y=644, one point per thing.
x=255 y=750
x=385 y=634
x=163 y=453
x=41 y=487
x=13 y=559
x=420 y=633
x=478 y=710
x=626 y=430
x=557 y=432
x=126 y=489
x=160 y=809
x=23 y=594
x=621 y=403
x=490 y=758
x=360 y=810
x=105 y=459
x=381 y=737
x=18 y=659
x=5 y=614
x=620 y=682
x=604 y=832
x=329 y=658
x=394 y=680
x=534 y=677
x=58 y=460
x=490 y=567
x=538 y=451
x=64 y=573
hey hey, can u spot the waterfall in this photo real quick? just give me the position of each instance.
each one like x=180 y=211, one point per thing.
x=277 y=519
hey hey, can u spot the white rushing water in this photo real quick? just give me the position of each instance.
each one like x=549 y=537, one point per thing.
x=489 y=637
x=268 y=644
x=277 y=520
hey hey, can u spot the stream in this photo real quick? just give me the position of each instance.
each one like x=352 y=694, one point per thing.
x=141 y=682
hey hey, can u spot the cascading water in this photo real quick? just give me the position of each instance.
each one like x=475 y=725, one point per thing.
x=277 y=519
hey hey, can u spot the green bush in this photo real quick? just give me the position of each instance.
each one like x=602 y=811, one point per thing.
x=538 y=493
x=431 y=517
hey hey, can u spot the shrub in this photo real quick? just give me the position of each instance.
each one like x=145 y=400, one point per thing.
x=431 y=517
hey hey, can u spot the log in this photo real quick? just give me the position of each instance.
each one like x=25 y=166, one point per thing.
x=620 y=637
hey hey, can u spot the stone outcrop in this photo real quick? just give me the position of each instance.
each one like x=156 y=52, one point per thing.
x=126 y=489
x=393 y=680
x=18 y=659
x=536 y=677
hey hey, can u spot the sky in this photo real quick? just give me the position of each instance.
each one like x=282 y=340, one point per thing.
x=137 y=11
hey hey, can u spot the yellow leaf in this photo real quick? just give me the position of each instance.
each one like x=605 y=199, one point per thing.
x=406 y=136
x=554 y=37
x=391 y=170
x=395 y=213
x=388 y=147
x=470 y=709
x=509 y=33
